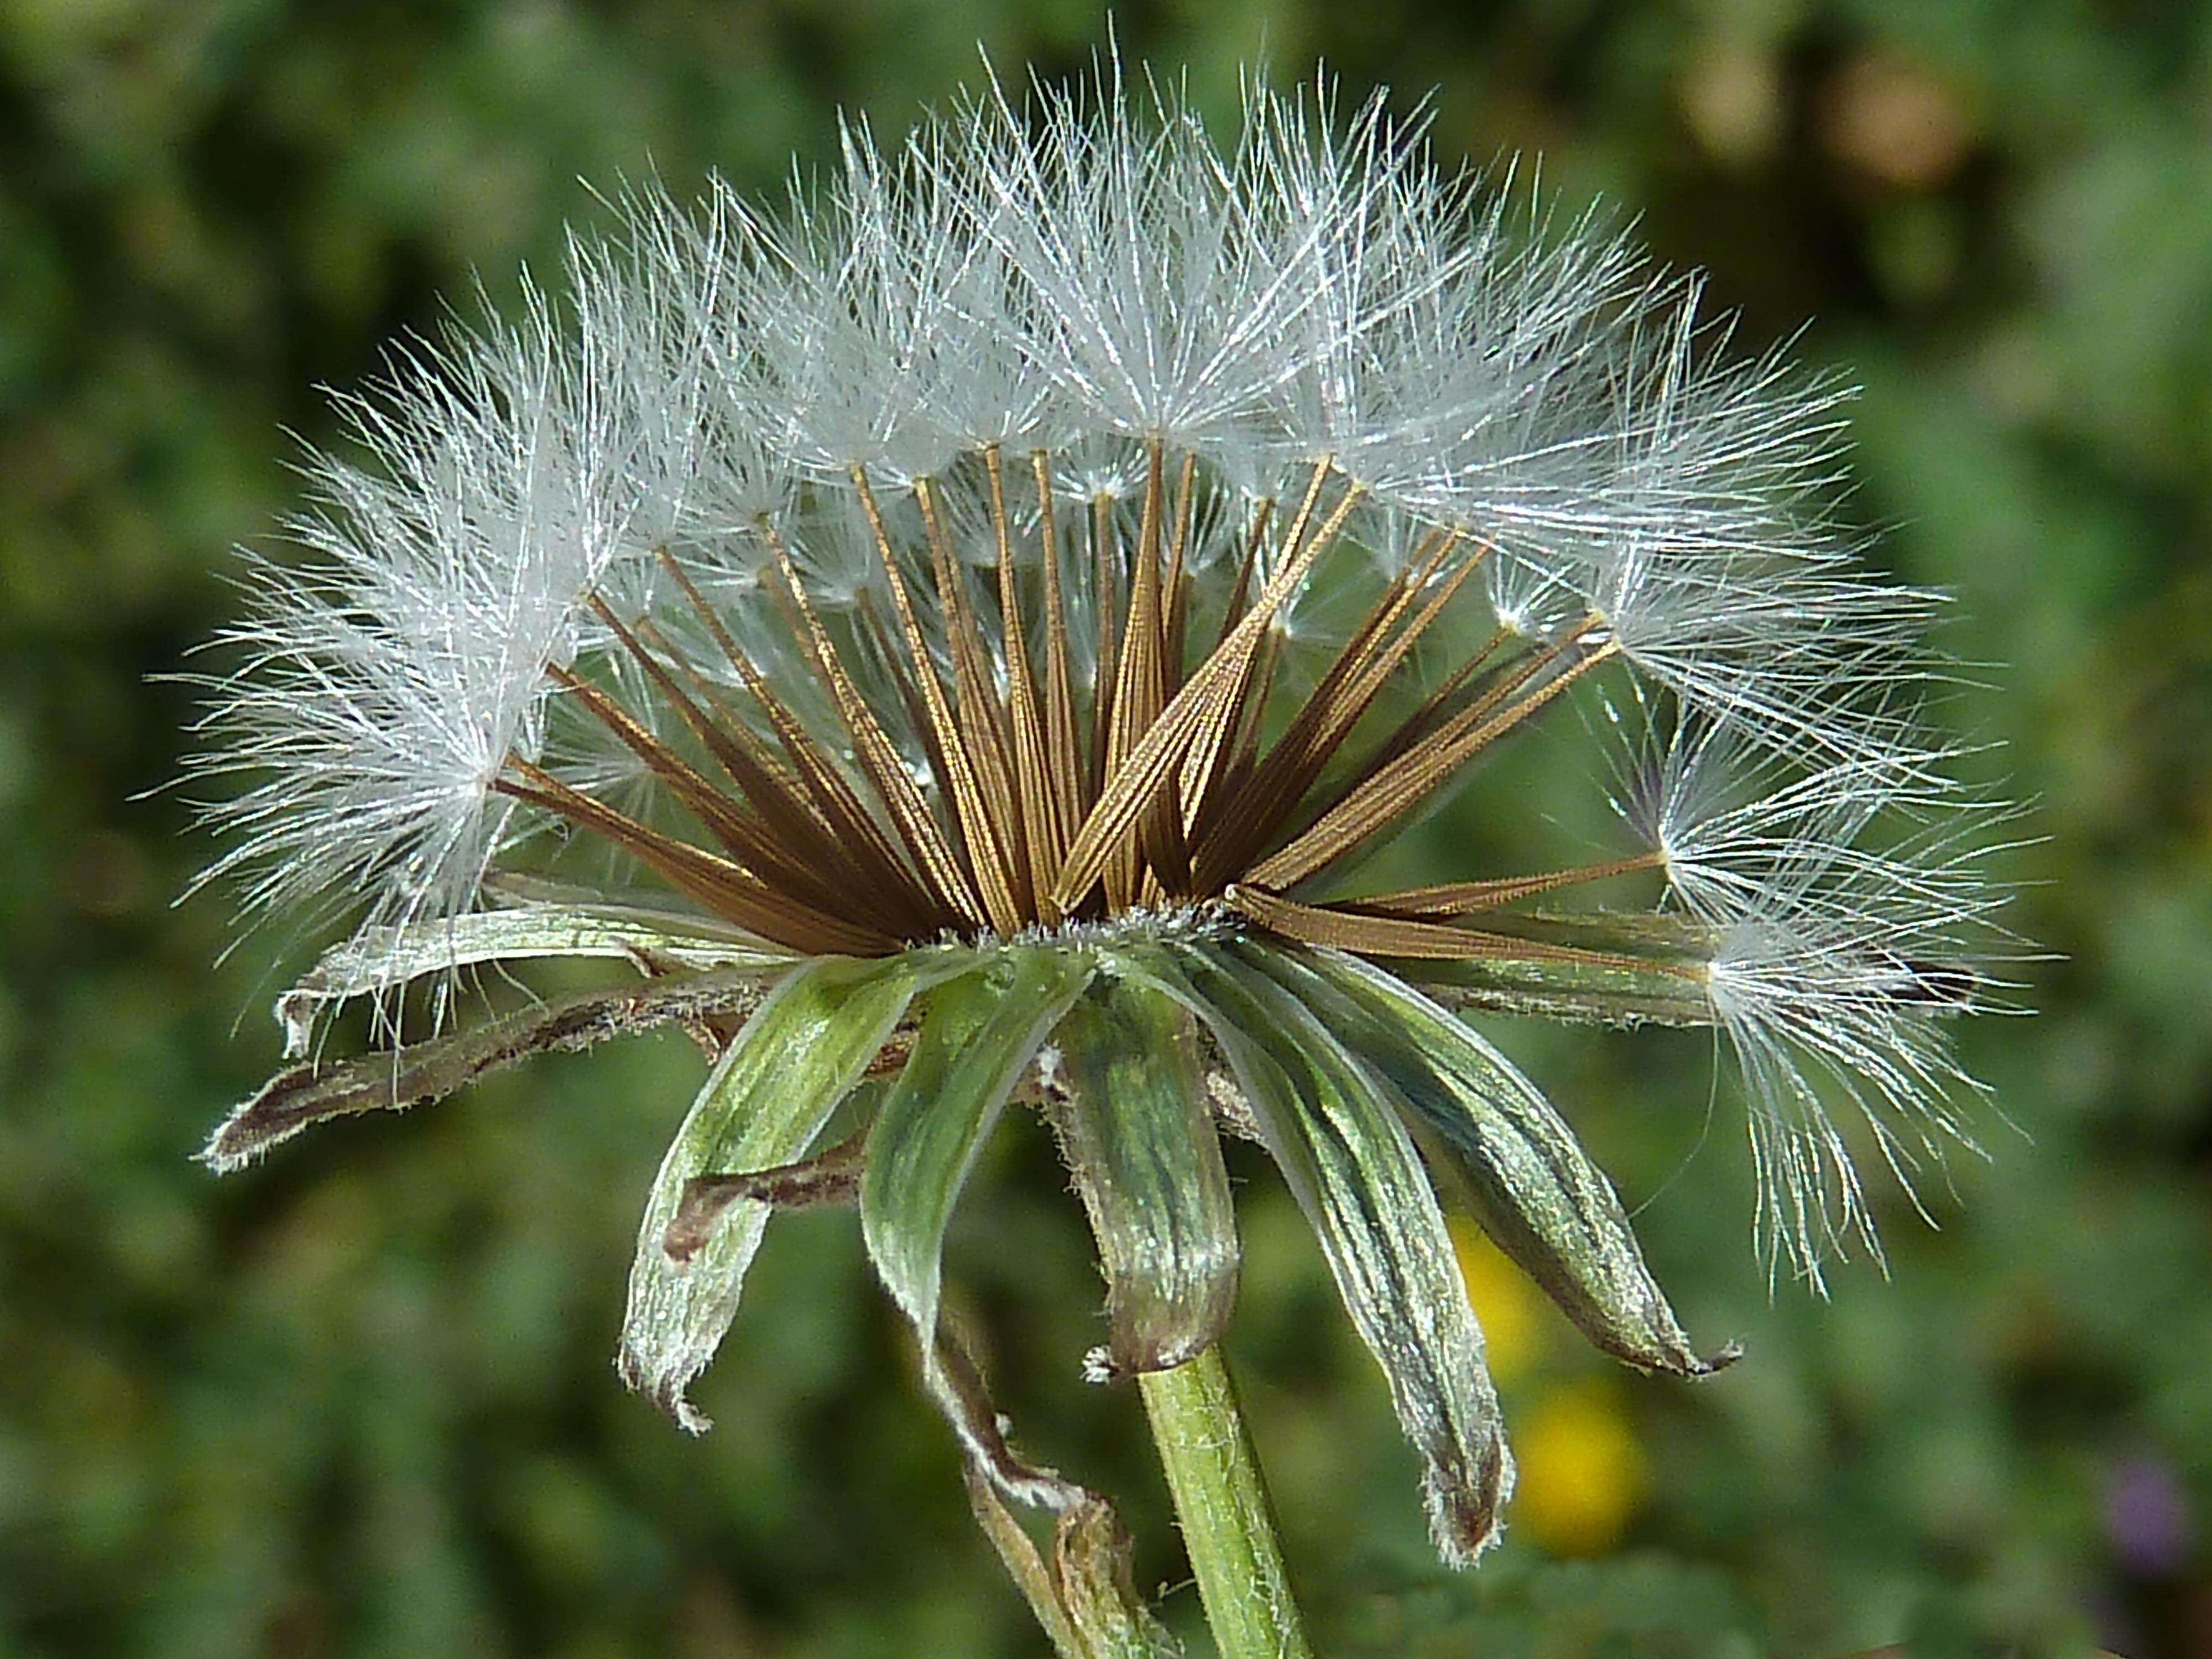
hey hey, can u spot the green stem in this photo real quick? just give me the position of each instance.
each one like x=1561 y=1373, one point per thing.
x=1227 y=1527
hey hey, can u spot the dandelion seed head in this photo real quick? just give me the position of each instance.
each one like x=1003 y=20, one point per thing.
x=847 y=564
x=1003 y=596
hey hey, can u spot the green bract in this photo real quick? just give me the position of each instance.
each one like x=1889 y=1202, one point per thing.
x=1137 y=1041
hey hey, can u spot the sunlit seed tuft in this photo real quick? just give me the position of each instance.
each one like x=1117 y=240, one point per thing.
x=1002 y=598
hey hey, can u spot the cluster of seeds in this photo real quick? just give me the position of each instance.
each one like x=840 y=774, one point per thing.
x=1039 y=564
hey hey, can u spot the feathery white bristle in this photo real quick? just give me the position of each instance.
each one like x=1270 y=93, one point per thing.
x=385 y=681
x=1853 y=910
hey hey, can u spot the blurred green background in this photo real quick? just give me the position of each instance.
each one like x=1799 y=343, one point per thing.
x=358 y=1402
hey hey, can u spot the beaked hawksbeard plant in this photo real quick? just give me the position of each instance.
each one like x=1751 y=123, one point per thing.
x=987 y=611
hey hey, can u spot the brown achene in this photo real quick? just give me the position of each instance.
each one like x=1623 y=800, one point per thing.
x=1161 y=790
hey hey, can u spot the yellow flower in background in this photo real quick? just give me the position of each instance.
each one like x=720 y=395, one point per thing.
x=1582 y=1470
x=1507 y=1304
